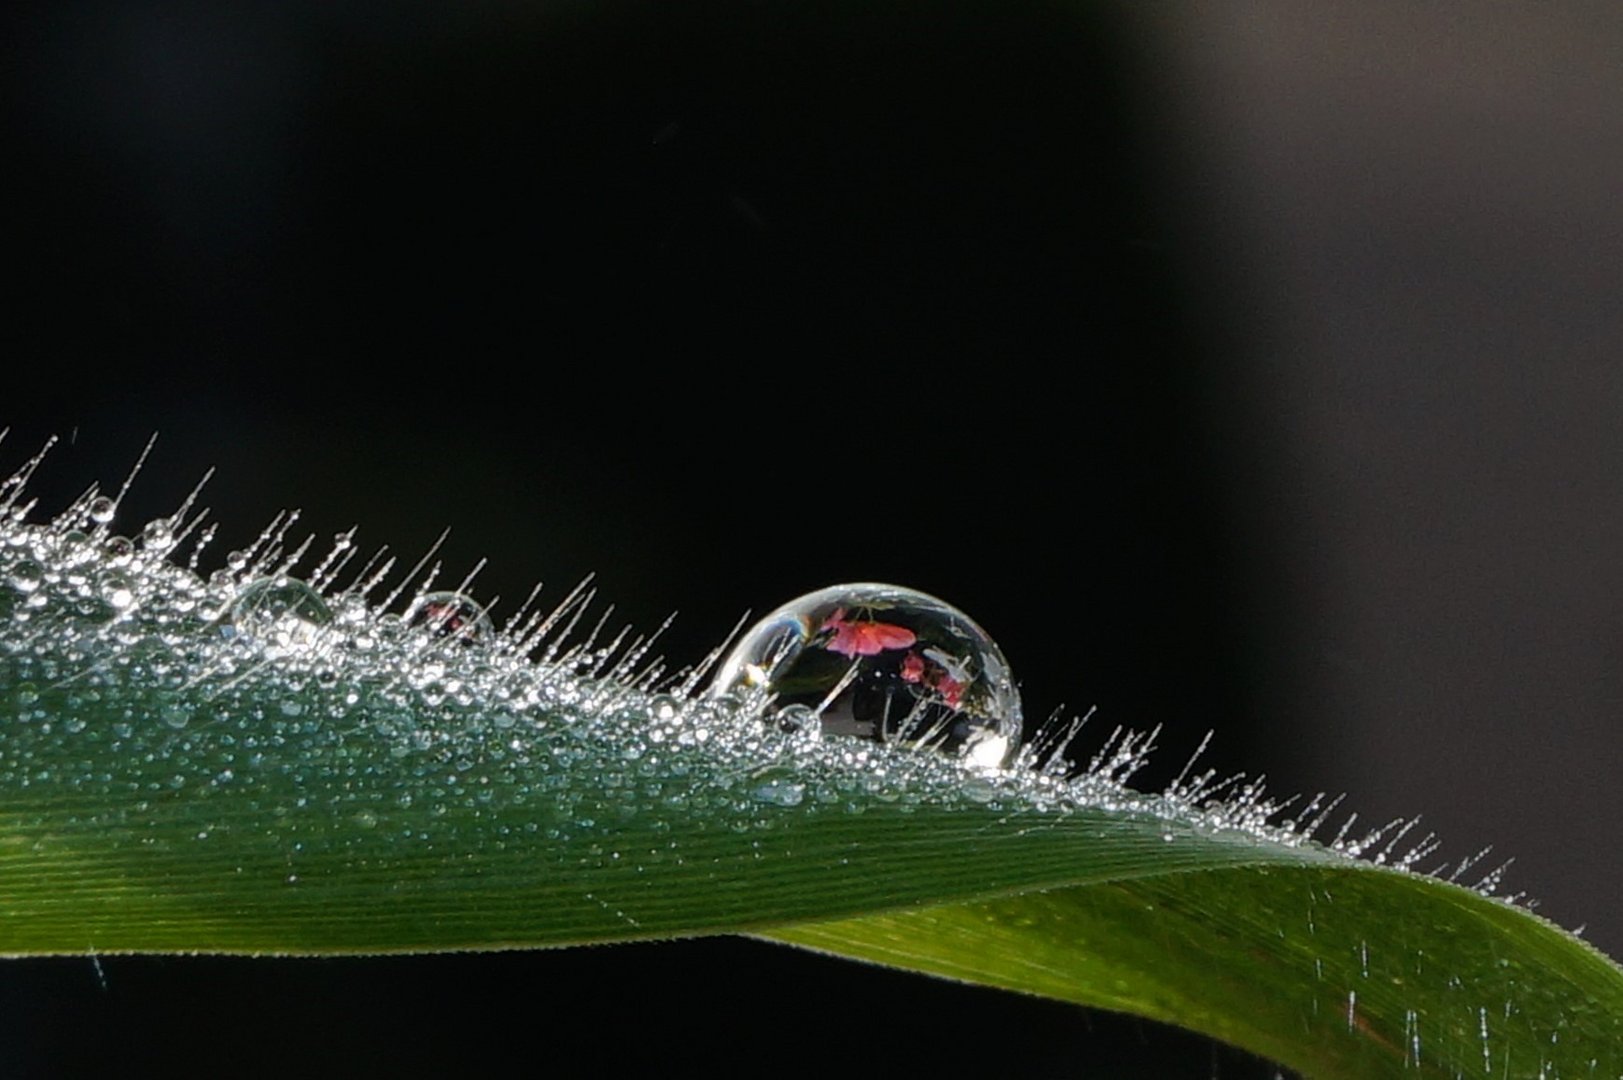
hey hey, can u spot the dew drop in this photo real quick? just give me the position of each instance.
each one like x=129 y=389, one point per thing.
x=883 y=663
x=451 y=615
x=26 y=575
x=799 y=720
x=117 y=590
x=279 y=611
x=777 y=786
x=159 y=535
x=101 y=509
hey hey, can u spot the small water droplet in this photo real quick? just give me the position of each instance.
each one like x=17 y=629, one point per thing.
x=174 y=714
x=280 y=611
x=117 y=590
x=778 y=786
x=799 y=720
x=159 y=535
x=883 y=663
x=26 y=575
x=451 y=615
x=101 y=509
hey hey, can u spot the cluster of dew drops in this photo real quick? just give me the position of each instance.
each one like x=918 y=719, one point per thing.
x=859 y=676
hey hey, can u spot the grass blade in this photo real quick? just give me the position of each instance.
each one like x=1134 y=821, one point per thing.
x=243 y=765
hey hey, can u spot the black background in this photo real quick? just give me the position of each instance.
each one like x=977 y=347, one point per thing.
x=1140 y=340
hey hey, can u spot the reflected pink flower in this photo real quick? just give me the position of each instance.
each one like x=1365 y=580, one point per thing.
x=865 y=637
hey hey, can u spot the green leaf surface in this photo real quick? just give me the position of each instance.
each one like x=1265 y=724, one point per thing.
x=178 y=775
x=1335 y=971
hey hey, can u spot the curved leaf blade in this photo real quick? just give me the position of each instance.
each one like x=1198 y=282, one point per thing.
x=175 y=781
x=283 y=821
x=1334 y=971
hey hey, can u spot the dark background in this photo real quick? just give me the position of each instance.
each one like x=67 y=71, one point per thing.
x=1247 y=369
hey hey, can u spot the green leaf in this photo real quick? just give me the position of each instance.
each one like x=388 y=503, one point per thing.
x=1335 y=971
x=182 y=770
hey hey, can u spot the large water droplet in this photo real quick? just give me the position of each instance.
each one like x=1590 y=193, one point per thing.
x=102 y=509
x=884 y=663
x=451 y=615
x=280 y=611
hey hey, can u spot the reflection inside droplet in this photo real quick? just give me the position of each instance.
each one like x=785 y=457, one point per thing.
x=884 y=663
x=451 y=615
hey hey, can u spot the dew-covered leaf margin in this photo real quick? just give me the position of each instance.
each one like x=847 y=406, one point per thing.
x=172 y=783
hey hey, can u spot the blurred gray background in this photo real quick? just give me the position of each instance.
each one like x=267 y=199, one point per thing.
x=1414 y=222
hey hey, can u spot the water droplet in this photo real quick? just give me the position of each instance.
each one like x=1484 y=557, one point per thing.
x=799 y=720
x=174 y=714
x=26 y=575
x=117 y=590
x=883 y=663
x=451 y=615
x=777 y=786
x=159 y=535
x=279 y=611
x=101 y=509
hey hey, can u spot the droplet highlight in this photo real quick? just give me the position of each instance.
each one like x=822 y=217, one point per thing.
x=883 y=663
